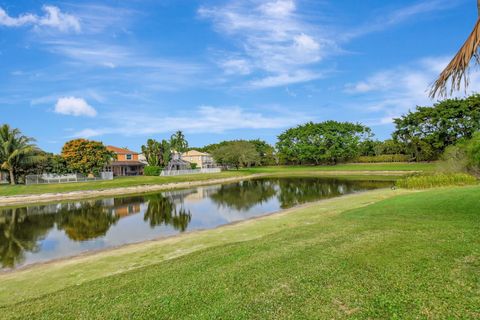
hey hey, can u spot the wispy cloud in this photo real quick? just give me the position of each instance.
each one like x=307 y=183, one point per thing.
x=53 y=17
x=393 y=92
x=400 y=15
x=206 y=119
x=273 y=38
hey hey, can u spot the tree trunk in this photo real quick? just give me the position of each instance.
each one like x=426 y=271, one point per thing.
x=12 y=177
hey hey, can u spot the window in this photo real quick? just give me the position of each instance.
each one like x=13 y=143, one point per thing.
x=128 y=157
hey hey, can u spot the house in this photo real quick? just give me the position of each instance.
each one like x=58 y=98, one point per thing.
x=202 y=159
x=126 y=164
x=177 y=163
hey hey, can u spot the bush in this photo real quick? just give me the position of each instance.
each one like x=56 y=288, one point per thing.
x=453 y=160
x=462 y=157
x=384 y=158
x=152 y=171
x=193 y=166
x=436 y=180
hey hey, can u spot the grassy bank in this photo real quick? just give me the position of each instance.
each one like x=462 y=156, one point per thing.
x=7 y=190
x=398 y=166
x=121 y=182
x=379 y=254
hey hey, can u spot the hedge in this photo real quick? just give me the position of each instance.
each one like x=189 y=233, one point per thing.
x=152 y=171
x=384 y=158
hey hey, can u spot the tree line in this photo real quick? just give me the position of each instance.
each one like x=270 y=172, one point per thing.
x=424 y=134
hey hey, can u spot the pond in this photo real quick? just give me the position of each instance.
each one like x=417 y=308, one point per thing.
x=39 y=233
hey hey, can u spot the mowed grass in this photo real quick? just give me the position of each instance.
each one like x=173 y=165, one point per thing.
x=120 y=182
x=415 y=255
x=397 y=166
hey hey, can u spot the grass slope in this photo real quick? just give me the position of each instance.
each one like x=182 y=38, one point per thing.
x=411 y=256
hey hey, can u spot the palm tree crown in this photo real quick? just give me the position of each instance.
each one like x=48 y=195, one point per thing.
x=15 y=150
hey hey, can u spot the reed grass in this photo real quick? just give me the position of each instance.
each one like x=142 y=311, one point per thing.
x=425 y=181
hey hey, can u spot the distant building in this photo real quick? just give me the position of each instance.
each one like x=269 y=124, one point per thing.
x=202 y=159
x=126 y=164
x=177 y=163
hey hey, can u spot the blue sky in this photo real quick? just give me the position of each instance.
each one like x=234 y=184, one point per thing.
x=125 y=71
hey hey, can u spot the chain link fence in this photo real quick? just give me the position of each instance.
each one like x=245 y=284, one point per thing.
x=191 y=171
x=48 y=178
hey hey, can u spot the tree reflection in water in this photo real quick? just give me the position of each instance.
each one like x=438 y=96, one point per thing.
x=243 y=195
x=162 y=210
x=23 y=229
x=89 y=220
x=295 y=191
x=19 y=233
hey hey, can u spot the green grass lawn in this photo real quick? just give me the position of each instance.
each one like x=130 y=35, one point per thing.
x=7 y=190
x=381 y=254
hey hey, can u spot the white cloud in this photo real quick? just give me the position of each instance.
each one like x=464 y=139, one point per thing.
x=279 y=8
x=391 y=93
x=273 y=39
x=206 y=119
x=398 y=16
x=236 y=66
x=6 y=20
x=53 y=17
x=74 y=107
x=285 y=79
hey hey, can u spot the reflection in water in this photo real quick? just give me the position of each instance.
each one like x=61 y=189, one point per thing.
x=44 y=232
x=162 y=210
x=244 y=195
x=295 y=191
x=20 y=232
x=89 y=221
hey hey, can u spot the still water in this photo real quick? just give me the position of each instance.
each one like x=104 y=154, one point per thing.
x=40 y=233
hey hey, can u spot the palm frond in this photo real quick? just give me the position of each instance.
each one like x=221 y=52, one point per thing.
x=456 y=72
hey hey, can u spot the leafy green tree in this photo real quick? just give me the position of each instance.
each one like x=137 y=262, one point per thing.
x=152 y=152
x=236 y=154
x=86 y=156
x=326 y=142
x=178 y=142
x=16 y=151
x=158 y=154
x=265 y=151
x=427 y=131
x=166 y=153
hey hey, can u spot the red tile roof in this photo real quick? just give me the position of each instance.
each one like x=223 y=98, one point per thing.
x=120 y=150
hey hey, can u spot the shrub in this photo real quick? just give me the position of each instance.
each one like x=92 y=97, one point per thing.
x=453 y=160
x=193 y=166
x=384 y=158
x=436 y=180
x=472 y=150
x=152 y=170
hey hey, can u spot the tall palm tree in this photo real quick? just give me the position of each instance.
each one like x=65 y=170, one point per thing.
x=15 y=150
x=457 y=70
x=178 y=141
